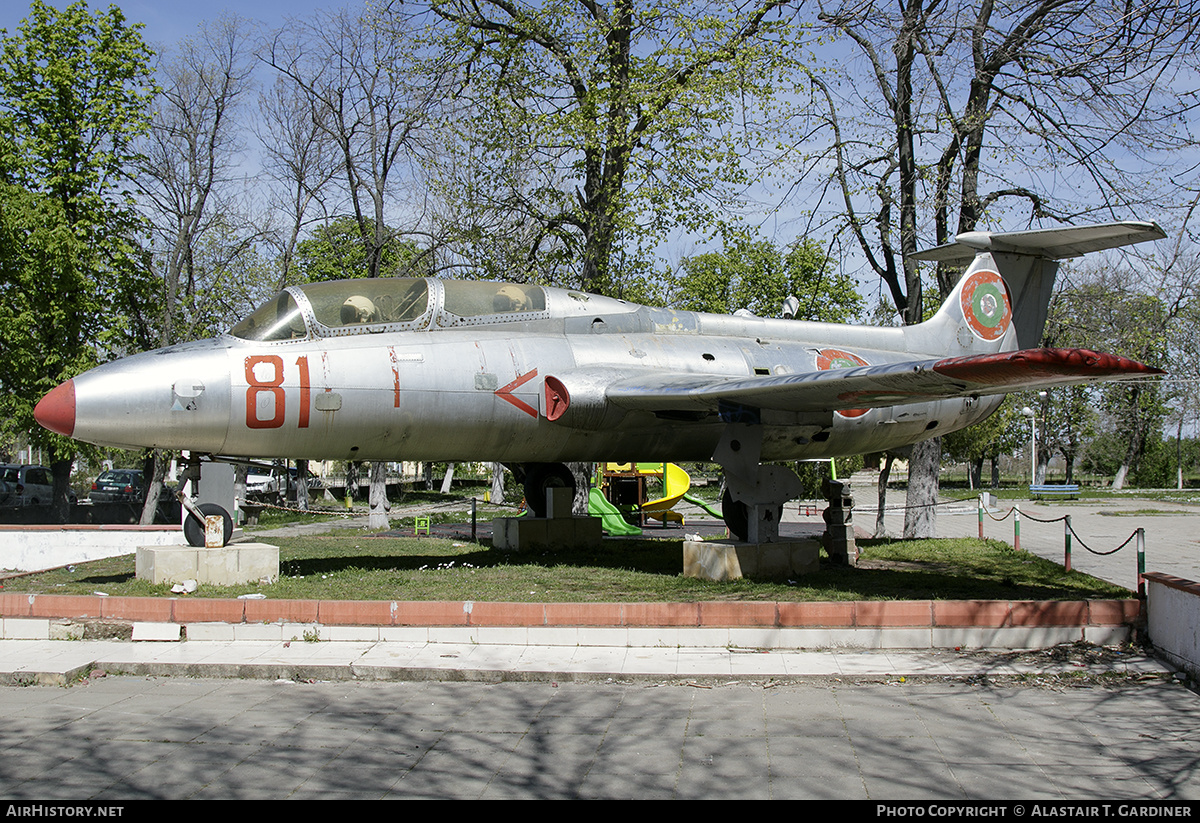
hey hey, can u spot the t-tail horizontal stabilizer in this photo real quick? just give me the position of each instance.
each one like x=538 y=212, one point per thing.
x=1053 y=244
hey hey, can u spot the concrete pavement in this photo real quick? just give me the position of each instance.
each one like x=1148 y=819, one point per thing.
x=129 y=738
x=443 y=719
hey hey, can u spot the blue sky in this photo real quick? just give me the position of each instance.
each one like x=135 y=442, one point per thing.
x=167 y=21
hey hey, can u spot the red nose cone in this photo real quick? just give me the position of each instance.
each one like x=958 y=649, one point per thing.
x=56 y=411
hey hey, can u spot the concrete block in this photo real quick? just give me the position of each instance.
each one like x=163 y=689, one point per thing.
x=294 y=632
x=26 y=629
x=731 y=560
x=32 y=548
x=254 y=631
x=539 y=534
x=559 y=502
x=171 y=632
x=229 y=566
x=219 y=632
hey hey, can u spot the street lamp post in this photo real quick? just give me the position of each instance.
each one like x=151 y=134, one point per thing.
x=1032 y=415
x=1028 y=412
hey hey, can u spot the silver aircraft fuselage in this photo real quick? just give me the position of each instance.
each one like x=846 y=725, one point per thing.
x=477 y=393
x=426 y=369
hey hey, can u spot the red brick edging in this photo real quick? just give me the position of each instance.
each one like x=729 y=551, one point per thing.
x=860 y=614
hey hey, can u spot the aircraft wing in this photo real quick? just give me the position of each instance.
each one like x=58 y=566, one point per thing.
x=890 y=384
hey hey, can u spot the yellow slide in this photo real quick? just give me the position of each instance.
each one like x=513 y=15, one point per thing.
x=676 y=483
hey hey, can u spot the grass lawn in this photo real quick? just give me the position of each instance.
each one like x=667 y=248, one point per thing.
x=365 y=567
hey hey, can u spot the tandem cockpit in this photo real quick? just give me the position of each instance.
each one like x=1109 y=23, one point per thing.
x=373 y=305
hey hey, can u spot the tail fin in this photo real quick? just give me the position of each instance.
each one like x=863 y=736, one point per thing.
x=1001 y=302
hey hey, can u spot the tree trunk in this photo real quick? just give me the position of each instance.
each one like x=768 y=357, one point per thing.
x=884 y=471
x=1043 y=463
x=975 y=474
x=448 y=480
x=497 y=483
x=60 y=508
x=155 y=471
x=302 y=485
x=1179 y=454
x=240 y=470
x=583 y=480
x=378 y=517
x=920 y=517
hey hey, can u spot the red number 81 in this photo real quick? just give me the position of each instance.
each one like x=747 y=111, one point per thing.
x=275 y=387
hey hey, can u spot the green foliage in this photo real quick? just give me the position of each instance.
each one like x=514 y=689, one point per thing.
x=1155 y=468
x=999 y=433
x=758 y=276
x=43 y=331
x=73 y=92
x=338 y=250
x=74 y=88
x=1114 y=310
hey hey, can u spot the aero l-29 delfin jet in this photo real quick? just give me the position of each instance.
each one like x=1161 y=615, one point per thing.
x=528 y=376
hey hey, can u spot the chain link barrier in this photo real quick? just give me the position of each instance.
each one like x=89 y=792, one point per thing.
x=521 y=506
x=344 y=512
x=1067 y=519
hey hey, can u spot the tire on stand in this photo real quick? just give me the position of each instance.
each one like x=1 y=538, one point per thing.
x=193 y=529
x=736 y=516
x=542 y=476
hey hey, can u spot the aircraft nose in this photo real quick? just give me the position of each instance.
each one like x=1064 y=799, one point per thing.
x=56 y=411
x=171 y=398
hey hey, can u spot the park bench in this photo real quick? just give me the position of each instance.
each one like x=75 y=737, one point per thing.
x=1058 y=491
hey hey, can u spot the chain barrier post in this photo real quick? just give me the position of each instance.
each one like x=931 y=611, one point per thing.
x=1067 y=542
x=1141 y=553
x=979 y=511
x=1017 y=527
x=473 y=520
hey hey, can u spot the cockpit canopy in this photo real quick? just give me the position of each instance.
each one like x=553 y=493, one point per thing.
x=393 y=303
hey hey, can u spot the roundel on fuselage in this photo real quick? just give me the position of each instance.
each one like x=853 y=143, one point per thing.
x=985 y=305
x=838 y=359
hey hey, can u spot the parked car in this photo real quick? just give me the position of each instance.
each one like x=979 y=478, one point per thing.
x=27 y=486
x=262 y=483
x=118 y=486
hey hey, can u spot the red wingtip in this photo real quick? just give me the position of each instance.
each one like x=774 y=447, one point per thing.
x=56 y=411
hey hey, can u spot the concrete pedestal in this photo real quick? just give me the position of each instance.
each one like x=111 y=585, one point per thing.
x=561 y=529
x=542 y=533
x=229 y=566
x=730 y=560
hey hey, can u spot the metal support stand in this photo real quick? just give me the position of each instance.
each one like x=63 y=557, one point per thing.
x=756 y=490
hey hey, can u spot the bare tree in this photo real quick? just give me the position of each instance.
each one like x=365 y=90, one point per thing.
x=1050 y=110
x=365 y=127
x=604 y=121
x=301 y=163
x=373 y=108
x=190 y=156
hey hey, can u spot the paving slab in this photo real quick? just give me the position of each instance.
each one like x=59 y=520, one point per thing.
x=120 y=738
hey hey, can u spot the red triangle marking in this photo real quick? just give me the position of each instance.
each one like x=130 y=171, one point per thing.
x=505 y=393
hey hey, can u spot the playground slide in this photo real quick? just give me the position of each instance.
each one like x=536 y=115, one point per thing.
x=676 y=482
x=610 y=518
x=704 y=505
